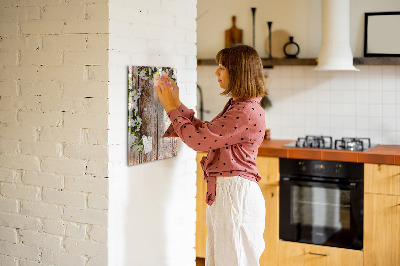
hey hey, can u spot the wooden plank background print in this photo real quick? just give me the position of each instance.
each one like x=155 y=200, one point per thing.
x=147 y=119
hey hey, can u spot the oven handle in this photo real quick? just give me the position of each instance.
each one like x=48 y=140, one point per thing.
x=310 y=182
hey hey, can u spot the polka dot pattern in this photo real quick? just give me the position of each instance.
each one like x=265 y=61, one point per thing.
x=232 y=139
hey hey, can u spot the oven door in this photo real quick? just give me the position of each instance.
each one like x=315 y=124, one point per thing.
x=321 y=212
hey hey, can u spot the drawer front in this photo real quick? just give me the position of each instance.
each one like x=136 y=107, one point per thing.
x=299 y=254
x=382 y=179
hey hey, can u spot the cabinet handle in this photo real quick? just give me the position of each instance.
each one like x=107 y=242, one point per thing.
x=318 y=254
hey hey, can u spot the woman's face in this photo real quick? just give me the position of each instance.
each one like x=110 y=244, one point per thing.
x=223 y=77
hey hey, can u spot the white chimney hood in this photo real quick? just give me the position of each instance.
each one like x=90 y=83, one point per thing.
x=335 y=52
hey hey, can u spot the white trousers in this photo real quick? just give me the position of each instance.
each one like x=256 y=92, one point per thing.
x=235 y=223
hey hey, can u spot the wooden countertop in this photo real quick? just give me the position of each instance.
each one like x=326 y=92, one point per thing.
x=380 y=154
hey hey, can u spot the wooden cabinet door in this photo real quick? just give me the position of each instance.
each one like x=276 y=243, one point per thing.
x=381 y=230
x=268 y=168
x=201 y=205
x=299 y=254
x=382 y=179
x=271 y=232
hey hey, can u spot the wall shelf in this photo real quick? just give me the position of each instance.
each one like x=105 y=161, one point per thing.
x=269 y=63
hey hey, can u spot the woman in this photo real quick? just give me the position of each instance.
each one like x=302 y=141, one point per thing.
x=236 y=211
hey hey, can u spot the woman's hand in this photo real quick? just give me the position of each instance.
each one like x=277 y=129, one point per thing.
x=175 y=89
x=165 y=96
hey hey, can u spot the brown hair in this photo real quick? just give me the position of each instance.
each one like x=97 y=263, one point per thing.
x=245 y=69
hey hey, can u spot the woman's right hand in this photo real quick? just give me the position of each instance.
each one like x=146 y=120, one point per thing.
x=175 y=89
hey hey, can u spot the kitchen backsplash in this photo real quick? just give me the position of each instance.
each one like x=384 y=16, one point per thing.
x=365 y=103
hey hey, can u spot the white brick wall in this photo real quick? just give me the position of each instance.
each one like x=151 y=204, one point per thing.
x=149 y=202
x=53 y=132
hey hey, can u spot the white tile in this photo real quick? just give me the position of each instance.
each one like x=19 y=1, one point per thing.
x=362 y=123
x=362 y=110
x=375 y=71
x=389 y=124
x=349 y=132
x=389 y=84
x=286 y=120
x=323 y=95
x=389 y=137
x=349 y=122
x=362 y=78
x=298 y=71
x=362 y=96
x=336 y=133
x=298 y=83
x=375 y=97
x=323 y=83
x=336 y=96
x=310 y=82
x=374 y=83
x=375 y=110
x=323 y=109
x=285 y=71
x=310 y=122
x=310 y=108
x=298 y=97
x=336 y=83
x=310 y=95
x=362 y=133
x=323 y=121
x=389 y=110
x=335 y=109
x=298 y=120
x=298 y=131
x=375 y=123
x=389 y=71
x=389 y=97
x=324 y=131
x=398 y=137
x=287 y=133
x=336 y=121
x=349 y=96
x=299 y=107
x=348 y=109
x=376 y=136
x=285 y=83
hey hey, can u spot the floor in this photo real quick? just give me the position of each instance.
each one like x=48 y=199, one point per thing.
x=200 y=262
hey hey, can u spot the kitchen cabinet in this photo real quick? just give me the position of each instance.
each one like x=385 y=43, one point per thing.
x=269 y=170
x=382 y=179
x=271 y=232
x=382 y=215
x=300 y=254
x=201 y=205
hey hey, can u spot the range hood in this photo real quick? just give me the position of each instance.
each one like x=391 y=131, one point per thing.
x=335 y=52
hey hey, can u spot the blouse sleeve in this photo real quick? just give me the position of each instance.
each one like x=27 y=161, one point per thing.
x=231 y=128
x=187 y=113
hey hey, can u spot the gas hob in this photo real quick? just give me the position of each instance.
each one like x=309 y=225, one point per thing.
x=327 y=142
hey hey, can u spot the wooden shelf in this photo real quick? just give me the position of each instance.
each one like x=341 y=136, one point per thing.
x=377 y=61
x=269 y=63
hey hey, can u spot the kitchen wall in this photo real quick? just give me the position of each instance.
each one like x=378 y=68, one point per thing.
x=53 y=132
x=63 y=134
x=152 y=205
x=337 y=103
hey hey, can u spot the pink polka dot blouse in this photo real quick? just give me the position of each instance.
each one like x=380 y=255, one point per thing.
x=232 y=139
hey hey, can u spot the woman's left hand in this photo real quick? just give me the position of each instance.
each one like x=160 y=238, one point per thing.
x=165 y=96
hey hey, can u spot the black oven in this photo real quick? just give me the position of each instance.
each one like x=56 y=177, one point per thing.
x=321 y=202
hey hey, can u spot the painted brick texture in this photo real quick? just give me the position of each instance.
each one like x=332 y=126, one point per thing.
x=152 y=206
x=53 y=135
